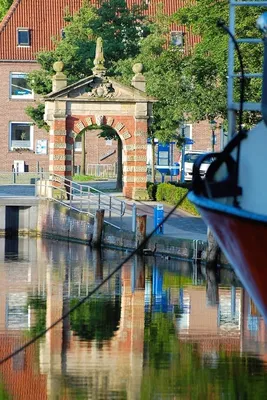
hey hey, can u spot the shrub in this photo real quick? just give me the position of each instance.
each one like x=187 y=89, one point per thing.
x=172 y=194
x=152 y=190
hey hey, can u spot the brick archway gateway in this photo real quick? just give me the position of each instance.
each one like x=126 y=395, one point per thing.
x=99 y=100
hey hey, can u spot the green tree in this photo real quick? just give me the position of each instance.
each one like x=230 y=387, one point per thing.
x=4 y=6
x=205 y=68
x=163 y=65
x=120 y=27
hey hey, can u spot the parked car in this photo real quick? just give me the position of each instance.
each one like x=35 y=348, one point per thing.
x=189 y=159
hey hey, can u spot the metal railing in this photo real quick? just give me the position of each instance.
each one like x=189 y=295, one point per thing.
x=82 y=198
x=102 y=170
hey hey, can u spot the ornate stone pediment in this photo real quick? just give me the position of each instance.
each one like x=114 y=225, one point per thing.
x=96 y=88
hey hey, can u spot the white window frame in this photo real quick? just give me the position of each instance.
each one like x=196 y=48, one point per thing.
x=78 y=148
x=19 y=96
x=189 y=146
x=23 y=44
x=11 y=148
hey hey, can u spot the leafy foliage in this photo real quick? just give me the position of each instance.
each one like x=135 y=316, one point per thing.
x=120 y=27
x=4 y=6
x=162 y=68
x=172 y=194
x=206 y=66
x=152 y=190
x=37 y=115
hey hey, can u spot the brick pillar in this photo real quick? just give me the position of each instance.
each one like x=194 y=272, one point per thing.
x=140 y=167
x=60 y=158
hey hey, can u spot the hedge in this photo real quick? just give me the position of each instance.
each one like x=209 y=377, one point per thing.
x=171 y=194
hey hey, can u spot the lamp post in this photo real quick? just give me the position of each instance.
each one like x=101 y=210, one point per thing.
x=213 y=125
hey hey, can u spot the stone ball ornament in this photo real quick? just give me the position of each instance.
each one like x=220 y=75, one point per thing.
x=138 y=68
x=58 y=66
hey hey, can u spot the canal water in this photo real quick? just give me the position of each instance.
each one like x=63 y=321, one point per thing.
x=158 y=329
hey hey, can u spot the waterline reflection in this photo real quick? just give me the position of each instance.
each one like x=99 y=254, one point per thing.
x=159 y=329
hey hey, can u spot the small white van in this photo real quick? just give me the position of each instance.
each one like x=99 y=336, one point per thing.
x=189 y=159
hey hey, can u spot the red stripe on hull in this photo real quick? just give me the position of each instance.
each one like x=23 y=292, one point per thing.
x=244 y=243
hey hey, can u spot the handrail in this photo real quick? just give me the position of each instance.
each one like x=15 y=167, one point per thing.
x=82 y=198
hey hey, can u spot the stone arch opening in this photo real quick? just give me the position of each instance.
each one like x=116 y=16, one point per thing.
x=114 y=150
x=98 y=100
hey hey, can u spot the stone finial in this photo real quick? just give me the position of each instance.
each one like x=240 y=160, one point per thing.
x=99 y=60
x=139 y=81
x=138 y=68
x=59 y=80
x=58 y=66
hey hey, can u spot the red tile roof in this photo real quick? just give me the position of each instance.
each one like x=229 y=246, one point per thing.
x=44 y=18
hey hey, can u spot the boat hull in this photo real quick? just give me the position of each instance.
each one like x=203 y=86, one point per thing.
x=242 y=237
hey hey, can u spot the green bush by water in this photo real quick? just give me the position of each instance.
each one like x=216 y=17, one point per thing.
x=171 y=193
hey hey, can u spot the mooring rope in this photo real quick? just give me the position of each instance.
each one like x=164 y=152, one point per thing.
x=126 y=259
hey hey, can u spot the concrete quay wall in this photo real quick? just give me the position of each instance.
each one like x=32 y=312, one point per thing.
x=50 y=219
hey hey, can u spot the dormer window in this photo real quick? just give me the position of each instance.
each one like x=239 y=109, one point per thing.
x=177 y=38
x=62 y=33
x=23 y=37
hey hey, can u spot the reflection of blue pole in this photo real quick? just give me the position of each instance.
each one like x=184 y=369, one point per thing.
x=182 y=166
x=264 y=82
x=233 y=301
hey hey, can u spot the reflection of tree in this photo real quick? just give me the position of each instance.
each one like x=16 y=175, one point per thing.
x=175 y=368
x=3 y=393
x=38 y=304
x=97 y=319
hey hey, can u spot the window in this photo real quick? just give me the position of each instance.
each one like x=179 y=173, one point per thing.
x=177 y=38
x=78 y=143
x=188 y=134
x=23 y=37
x=19 y=88
x=62 y=33
x=21 y=135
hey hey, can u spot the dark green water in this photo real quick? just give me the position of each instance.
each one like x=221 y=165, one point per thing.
x=159 y=329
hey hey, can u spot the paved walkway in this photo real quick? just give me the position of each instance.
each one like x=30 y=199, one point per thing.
x=180 y=224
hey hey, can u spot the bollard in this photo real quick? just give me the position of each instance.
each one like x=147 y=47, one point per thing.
x=98 y=227
x=140 y=232
x=158 y=218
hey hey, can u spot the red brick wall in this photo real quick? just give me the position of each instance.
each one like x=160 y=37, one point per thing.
x=96 y=148
x=202 y=137
x=13 y=110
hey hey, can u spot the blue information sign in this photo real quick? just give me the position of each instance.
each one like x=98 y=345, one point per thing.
x=163 y=158
x=188 y=141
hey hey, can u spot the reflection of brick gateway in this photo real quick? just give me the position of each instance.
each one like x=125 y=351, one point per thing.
x=117 y=366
